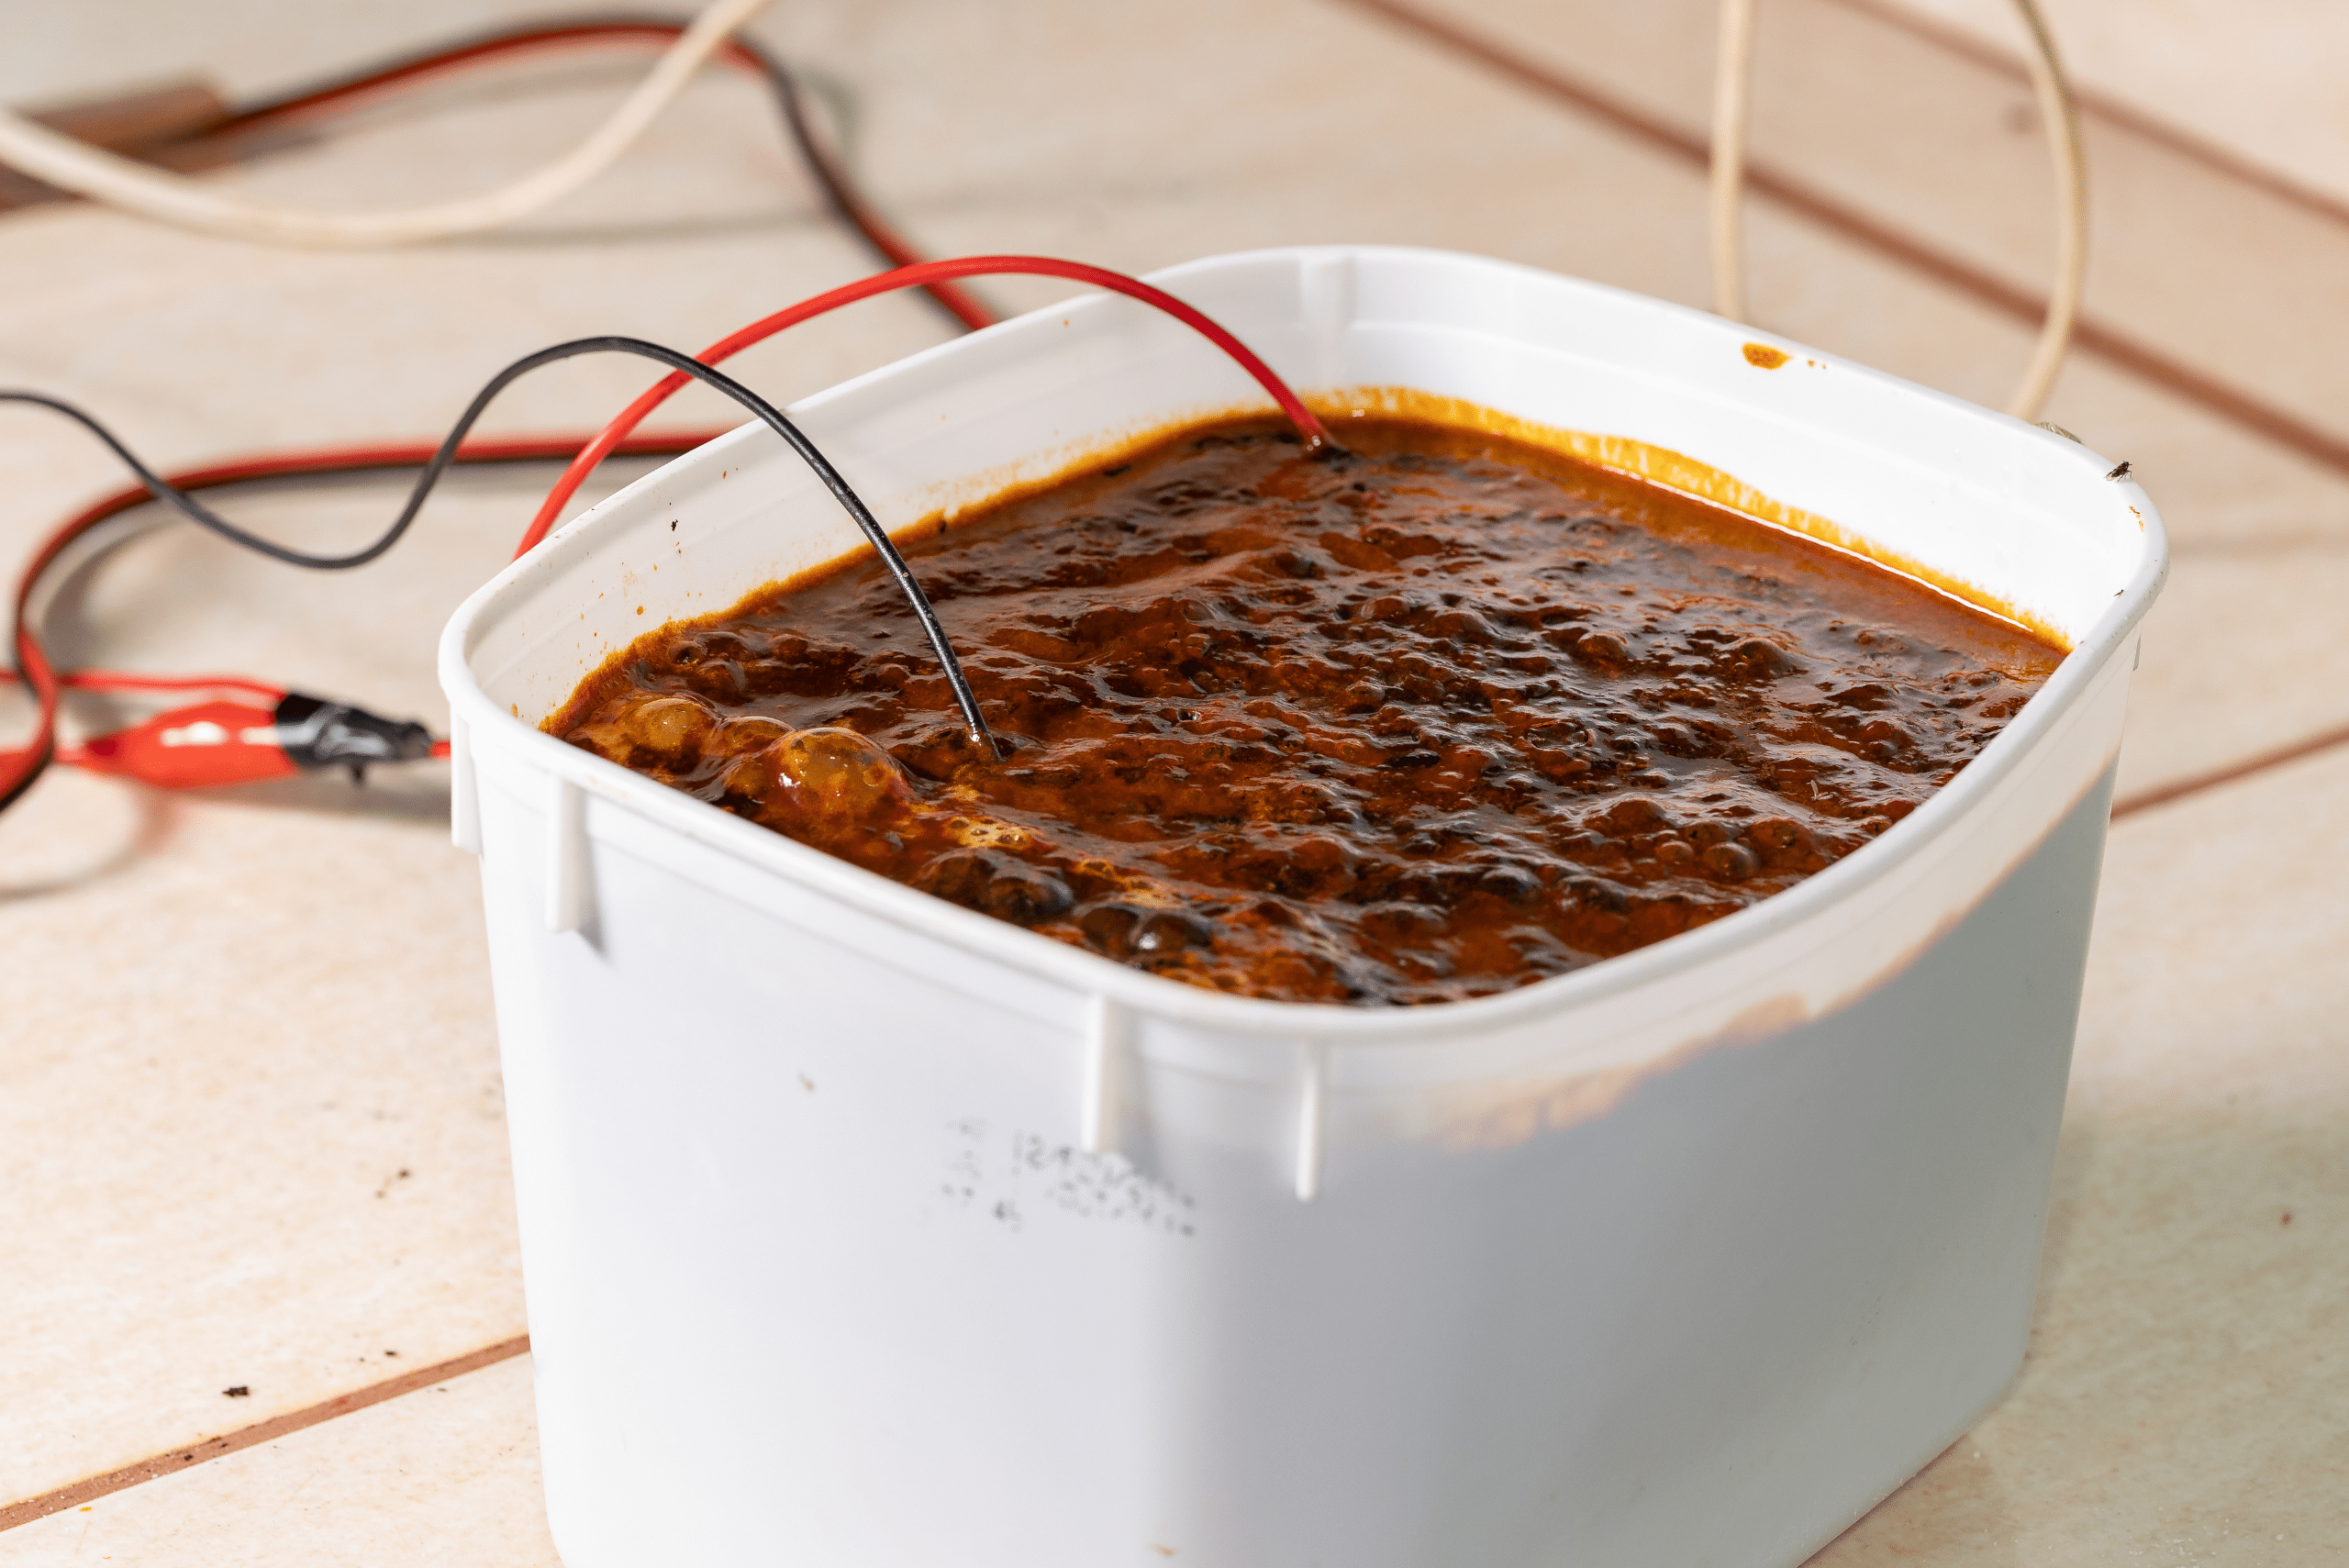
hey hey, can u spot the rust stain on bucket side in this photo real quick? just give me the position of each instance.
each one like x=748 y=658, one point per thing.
x=1517 y=1114
x=1506 y=1114
x=1761 y=356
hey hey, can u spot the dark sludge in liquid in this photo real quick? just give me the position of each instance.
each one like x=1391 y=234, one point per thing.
x=1445 y=716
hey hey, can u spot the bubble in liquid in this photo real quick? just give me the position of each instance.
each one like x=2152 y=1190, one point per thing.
x=739 y=737
x=840 y=772
x=671 y=728
x=1603 y=648
x=1123 y=930
x=995 y=884
x=1731 y=862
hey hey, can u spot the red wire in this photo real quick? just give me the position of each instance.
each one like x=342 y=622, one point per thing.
x=133 y=681
x=914 y=276
x=33 y=667
x=618 y=435
x=339 y=94
x=17 y=767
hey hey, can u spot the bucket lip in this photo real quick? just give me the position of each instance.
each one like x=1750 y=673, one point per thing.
x=1327 y=1024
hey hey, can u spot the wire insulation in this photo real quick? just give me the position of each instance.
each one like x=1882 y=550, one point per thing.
x=1733 y=72
x=2062 y=125
x=116 y=681
x=19 y=769
x=153 y=192
x=1732 y=86
x=822 y=160
x=760 y=408
x=1316 y=437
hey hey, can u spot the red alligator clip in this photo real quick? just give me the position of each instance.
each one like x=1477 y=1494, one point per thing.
x=233 y=742
x=189 y=748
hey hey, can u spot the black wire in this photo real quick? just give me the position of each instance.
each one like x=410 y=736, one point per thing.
x=772 y=418
x=287 y=480
x=830 y=176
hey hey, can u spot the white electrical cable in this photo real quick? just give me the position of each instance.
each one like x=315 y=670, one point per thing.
x=1732 y=71
x=139 y=188
x=2072 y=209
x=1732 y=67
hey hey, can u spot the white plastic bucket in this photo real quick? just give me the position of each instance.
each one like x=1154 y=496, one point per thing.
x=862 y=1230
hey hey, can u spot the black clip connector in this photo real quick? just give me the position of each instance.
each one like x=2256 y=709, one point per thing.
x=317 y=733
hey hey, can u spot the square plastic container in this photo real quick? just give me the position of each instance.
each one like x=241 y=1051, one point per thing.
x=862 y=1230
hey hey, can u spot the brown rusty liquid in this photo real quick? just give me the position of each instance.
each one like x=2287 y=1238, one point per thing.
x=1443 y=717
